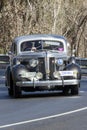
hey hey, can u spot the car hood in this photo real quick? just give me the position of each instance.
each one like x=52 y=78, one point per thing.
x=29 y=55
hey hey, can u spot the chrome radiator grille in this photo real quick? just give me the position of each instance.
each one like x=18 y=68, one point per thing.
x=47 y=67
x=41 y=67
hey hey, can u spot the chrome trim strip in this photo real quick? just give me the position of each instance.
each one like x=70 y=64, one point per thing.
x=47 y=83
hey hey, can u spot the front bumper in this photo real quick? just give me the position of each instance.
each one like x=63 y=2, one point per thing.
x=47 y=83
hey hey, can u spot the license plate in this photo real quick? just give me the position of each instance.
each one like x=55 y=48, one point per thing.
x=66 y=73
x=30 y=74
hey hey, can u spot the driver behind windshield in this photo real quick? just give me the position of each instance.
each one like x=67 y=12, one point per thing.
x=31 y=46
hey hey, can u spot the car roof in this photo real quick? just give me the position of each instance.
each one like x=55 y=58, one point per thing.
x=38 y=37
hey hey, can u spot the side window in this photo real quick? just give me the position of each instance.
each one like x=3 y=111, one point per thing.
x=14 y=48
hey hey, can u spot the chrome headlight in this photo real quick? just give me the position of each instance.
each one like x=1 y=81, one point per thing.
x=39 y=75
x=56 y=74
x=33 y=62
x=75 y=73
x=59 y=62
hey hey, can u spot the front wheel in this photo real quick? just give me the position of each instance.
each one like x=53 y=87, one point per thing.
x=66 y=90
x=75 y=90
x=10 y=92
x=16 y=91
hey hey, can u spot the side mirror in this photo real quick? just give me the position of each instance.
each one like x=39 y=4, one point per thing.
x=9 y=53
x=73 y=52
x=68 y=44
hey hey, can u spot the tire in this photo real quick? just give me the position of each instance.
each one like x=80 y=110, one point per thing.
x=66 y=90
x=16 y=91
x=75 y=90
x=10 y=89
x=10 y=92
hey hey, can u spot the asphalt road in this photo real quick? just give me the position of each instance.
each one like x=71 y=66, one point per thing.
x=43 y=110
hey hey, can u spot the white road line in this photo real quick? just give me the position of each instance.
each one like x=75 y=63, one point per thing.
x=2 y=77
x=43 y=118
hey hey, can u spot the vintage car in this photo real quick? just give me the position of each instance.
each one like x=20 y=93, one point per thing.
x=41 y=62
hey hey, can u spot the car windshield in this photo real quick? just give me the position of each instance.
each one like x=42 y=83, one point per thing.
x=42 y=45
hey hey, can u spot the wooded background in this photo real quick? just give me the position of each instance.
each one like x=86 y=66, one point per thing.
x=62 y=17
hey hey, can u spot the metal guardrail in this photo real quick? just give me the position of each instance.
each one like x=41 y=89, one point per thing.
x=4 y=61
x=83 y=64
x=4 y=58
x=81 y=61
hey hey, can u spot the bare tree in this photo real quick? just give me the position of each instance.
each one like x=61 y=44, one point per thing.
x=63 y=17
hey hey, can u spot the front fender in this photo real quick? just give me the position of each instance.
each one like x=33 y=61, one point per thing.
x=7 y=75
x=74 y=67
x=16 y=71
